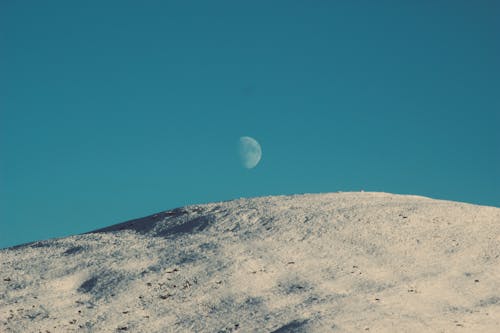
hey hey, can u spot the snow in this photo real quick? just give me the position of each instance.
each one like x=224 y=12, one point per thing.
x=336 y=262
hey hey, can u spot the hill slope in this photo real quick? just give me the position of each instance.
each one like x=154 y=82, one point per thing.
x=339 y=262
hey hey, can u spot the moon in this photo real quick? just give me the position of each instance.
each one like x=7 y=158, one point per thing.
x=250 y=152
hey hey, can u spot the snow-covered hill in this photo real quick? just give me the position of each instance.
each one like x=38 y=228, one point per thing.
x=339 y=262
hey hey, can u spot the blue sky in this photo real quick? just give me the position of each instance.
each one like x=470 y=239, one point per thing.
x=112 y=110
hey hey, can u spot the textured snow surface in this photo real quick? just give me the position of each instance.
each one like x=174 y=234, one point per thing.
x=339 y=262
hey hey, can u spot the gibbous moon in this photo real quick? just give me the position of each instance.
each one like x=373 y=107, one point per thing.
x=250 y=152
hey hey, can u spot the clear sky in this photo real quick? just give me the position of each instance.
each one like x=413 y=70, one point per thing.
x=112 y=110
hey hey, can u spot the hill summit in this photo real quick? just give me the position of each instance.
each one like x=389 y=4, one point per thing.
x=336 y=262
